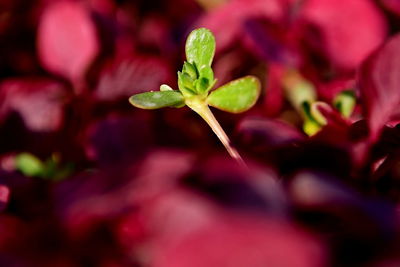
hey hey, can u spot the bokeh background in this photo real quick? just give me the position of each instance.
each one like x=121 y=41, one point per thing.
x=86 y=179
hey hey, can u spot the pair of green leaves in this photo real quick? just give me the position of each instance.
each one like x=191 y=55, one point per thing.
x=196 y=80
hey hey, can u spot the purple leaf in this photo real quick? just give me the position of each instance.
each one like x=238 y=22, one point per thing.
x=266 y=133
x=67 y=41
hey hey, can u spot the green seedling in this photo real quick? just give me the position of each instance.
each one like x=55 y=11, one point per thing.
x=301 y=94
x=195 y=84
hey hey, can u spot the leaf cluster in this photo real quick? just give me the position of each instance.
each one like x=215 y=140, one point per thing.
x=196 y=80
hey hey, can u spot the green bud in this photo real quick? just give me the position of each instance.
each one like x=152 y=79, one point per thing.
x=190 y=69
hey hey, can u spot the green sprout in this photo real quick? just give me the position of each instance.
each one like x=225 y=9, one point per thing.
x=51 y=169
x=195 y=82
x=345 y=102
x=301 y=94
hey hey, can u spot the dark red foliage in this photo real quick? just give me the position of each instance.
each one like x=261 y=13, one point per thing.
x=379 y=81
x=336 y=28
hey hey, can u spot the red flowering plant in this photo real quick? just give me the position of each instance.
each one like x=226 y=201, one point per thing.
x=88 y=180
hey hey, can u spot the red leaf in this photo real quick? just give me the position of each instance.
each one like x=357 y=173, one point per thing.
x=39 y=102
x=67 y=41
x=234 y=14
x=237 y=241
x=392 y=5
x=132 y=75
x=4 y=197
x=379 y=82
x=274 y=96
x=348 y=30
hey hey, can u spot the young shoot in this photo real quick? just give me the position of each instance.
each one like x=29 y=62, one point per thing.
x=196 y=81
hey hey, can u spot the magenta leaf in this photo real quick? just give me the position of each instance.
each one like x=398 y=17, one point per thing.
x=67 y=41
x=39 y=102
x=379 y=83
x=338 y=23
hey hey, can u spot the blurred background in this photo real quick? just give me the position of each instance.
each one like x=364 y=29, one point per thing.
x=86 y=179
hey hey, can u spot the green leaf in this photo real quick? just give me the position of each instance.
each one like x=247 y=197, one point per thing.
x=29 y=164
x=200 y=47
x=298 y=90
x=236 y=96
x=155 y=100
x=202 y=85
x=207 y=72
x=345 y=102
x=190 y=69
x=311 y=127
x=313 y=119
x=182 y=82
x=186 y=80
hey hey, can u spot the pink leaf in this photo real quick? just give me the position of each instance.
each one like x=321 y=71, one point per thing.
x=67 y=40
x=4 y=196
x=348 y=30
x=39 y=102
x=379 y=82
x=236 y=241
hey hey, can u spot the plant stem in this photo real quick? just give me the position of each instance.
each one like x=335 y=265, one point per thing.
x=204 y=111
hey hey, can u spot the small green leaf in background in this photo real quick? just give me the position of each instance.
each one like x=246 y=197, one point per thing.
x=311 y=127
x=298 y=90
x=50 y=169
x=313 y=118
x=29 y=164
x=200 y=47
x=236 y=96
x=345 y=102
x=155 y=100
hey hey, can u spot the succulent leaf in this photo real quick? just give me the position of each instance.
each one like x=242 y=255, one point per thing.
x=155 y=100
x=236 y=96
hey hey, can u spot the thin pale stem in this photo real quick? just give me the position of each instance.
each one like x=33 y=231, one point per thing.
x=203 y=110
